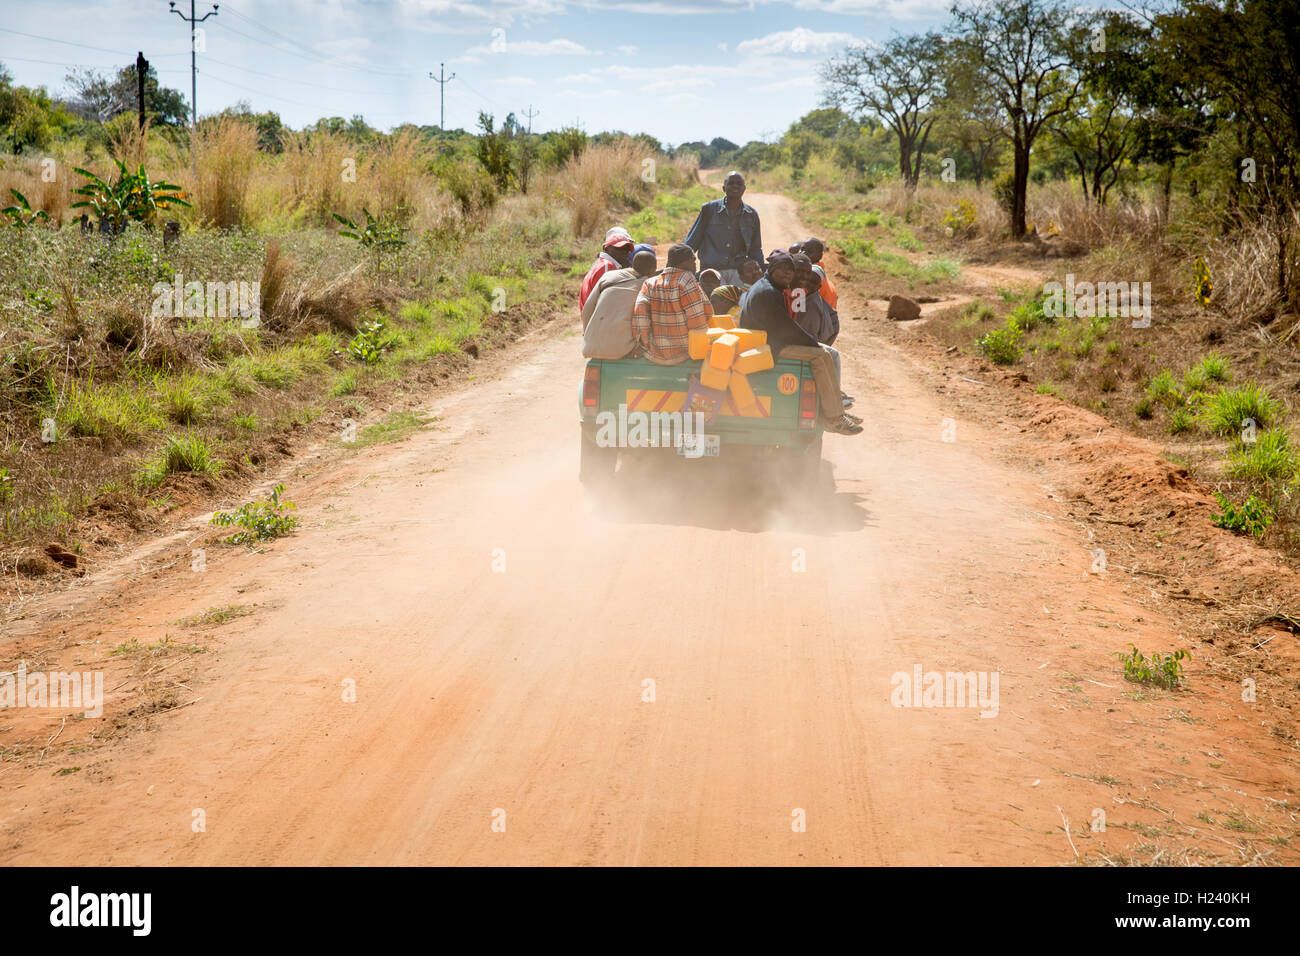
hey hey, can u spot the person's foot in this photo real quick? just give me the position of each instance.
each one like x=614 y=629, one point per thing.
x=853 y=418
x=843 y=426
x=848 y=400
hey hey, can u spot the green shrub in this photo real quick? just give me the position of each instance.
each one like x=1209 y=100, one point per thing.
x=1001 y=346
x=183 y=454
x=1229 y=409
x=371 y=342
x=259 y=520
x=1252 y=516
x=1030 y=315
x=1163 y=670
x=1162 y=389
x=960 y=219
x=1212 y=368
x=1268 y=458
x=1181 y=420
x=182 y=401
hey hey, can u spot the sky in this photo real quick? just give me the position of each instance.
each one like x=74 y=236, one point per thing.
x=680 y=70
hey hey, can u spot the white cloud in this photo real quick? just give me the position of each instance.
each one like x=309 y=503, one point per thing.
x=627 y=50
x=345 y=45
x=517 y=81
x=504 y=46
x=800 y=40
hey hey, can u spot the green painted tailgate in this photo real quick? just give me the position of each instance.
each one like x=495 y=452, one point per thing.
x=644 y=386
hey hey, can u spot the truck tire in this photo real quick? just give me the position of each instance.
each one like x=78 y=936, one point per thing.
x=595 y=464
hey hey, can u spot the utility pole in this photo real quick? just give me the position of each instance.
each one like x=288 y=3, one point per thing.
x=194 y=62
x=141 y=68
x=442 y=96
x=530 y=114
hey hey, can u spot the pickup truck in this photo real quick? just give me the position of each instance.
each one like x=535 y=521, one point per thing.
x=633 y=406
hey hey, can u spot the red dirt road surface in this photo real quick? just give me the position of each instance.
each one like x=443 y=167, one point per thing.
x=688 y=674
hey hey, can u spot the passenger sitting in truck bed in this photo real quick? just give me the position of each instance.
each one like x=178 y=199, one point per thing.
x=710 y=279
x=813 y=313
x=607 y=316
x=616 y=254
x=814 y=249
x=764 y=307
x=668 y=307
x=750 y=272
x=725 y=300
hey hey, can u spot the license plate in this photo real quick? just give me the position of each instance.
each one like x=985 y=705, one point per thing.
x=699 y=446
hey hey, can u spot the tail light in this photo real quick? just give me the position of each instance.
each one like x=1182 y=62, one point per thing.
x=590 y=389
x=808 y=404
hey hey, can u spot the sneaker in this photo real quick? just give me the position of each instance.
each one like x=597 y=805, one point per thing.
x=843 y=426
x=853 y=418
x=847 y=400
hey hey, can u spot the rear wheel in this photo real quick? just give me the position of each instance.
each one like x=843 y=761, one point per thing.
x=595 y=464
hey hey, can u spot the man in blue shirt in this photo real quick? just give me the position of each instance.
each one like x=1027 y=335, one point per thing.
x=726 y=232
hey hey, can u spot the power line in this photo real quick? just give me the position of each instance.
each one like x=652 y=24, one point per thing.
x=530 y=114
x=287 y=79
x=306 y=52
x=87 y=46
x=282 y=99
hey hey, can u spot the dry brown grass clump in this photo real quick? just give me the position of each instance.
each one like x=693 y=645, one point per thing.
x=603 y=178
x=296 y=304
x=316 y=167
x=224 y=154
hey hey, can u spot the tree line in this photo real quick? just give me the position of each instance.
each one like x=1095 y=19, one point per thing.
x=1205 y=93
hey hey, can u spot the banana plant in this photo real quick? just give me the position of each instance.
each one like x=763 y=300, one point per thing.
x=132 y=197
x=377 y=235
x=20 y=214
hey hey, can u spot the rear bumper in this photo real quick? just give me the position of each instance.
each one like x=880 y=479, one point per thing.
x=753 y=438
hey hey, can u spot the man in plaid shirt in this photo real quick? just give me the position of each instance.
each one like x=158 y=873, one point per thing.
x=668 y=307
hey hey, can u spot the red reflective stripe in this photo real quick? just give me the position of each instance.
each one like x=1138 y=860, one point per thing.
x=663 y=401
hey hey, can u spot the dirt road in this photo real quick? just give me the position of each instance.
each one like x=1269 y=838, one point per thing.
x=500 y=632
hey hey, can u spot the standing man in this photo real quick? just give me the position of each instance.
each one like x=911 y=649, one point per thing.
x=726 y=232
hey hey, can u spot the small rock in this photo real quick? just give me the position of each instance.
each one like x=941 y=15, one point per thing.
x=60 y=555
x=903 y=309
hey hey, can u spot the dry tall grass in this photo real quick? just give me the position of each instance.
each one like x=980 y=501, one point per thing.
x=224 y=155
x=603 y=178
x=318 y=169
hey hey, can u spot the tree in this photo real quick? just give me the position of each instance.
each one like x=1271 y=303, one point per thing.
x=901 y=85
x=1245 y=56
x=100 y=98
x=28 y=117
x=971 y=120
x=559 y=146
x=1022 y=53
x=270 y=128
x=494 y=148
